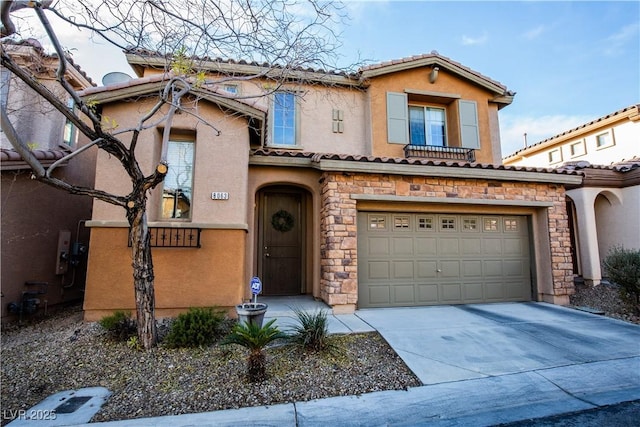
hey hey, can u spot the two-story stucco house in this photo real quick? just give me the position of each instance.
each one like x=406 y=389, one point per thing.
x=380 y=188
x=604 y=209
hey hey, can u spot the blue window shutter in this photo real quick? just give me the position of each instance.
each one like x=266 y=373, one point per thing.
x=469 y=124
x=397 y=118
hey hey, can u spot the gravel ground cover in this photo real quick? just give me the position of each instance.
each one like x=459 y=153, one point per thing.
x=62 y=352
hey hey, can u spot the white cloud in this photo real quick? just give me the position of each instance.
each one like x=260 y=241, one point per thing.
x=513 y=128
x=472 y=41
x=534 y=33
x=615 y=43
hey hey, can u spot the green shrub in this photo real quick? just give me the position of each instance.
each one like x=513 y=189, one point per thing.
x=120 y=325
x=312 y=331
x=623 y=268
x=255 y=338
x=197 y=327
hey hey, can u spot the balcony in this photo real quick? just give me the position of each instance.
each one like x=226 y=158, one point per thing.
x=440 y=153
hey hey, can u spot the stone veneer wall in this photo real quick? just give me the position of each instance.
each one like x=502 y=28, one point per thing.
x=338 y=226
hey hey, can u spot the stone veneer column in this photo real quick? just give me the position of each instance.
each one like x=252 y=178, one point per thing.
x=338 y=246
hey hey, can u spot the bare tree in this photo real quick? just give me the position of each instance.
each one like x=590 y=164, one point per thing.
x=285 y=35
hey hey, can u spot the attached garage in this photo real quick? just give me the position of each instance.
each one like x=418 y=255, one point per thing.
x=411 y=259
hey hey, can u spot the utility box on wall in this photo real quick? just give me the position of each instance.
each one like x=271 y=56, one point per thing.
x=62 y=255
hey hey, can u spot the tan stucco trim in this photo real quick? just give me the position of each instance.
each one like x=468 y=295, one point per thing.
x=300 y=162
x=447 y=200
x=208 y=226
x=433 y=94
x=446 y=172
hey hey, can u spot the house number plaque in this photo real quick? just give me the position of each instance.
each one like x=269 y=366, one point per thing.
x=220 y=195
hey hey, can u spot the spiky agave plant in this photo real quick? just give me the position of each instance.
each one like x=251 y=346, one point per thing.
x=255 y=338
x=312 y=330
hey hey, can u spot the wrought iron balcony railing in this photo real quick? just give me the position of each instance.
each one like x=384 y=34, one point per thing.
x=441 y=153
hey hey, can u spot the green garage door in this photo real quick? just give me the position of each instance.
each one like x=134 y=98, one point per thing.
x=407 y=259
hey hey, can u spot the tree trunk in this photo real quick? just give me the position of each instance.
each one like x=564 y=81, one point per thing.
x=143 y=277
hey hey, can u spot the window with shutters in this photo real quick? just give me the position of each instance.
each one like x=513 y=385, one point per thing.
x=420 y=120
x=178 y=183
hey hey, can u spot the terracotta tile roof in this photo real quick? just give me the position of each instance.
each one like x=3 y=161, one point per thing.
x=315 y=157
x=162 y=77
x=11 y=160
x=153 y=54
x=622 y=166
x=35 y=44
x=432 y=55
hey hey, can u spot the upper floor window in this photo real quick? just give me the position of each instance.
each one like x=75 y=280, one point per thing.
x=70 y=131
x=577 y=148
x=232 y=88
x=604 y=140
x=555 y=156
x=427 y=126
x=177 y=193
x=284 y=118
x=416 y=125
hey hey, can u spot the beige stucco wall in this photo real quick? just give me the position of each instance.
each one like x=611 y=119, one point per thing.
x=448 y=83
x=220 y=163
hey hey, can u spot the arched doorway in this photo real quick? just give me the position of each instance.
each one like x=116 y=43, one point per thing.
x=282 y=239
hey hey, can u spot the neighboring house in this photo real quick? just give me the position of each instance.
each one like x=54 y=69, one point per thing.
x=381 y=188
x=42 y=227
x=605 y=208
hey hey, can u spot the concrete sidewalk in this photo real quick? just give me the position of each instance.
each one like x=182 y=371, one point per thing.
x=481 y=365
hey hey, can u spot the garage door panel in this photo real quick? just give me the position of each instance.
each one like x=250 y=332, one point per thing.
x=402 y=246
x=378 y=270
x=473 y=292
x=471 y=246
x=403 y=269
x=426 y=246
x=403 y=294
x=472 y=268
x=419 y=259
x=427 y=294
x=378 y=246
x=451 y=293
x=379 y=295
x=494 y=291
x=448 y=246
x=514 y=247
x=449 y=268
x=427 y=269
x=492 y=246
x=513 y=268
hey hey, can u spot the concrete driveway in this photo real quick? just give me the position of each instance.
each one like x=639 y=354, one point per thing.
x=454 y=343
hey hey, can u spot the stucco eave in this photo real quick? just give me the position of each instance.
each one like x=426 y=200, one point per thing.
x=447 y=172
x=449 y=200
x=300 y=162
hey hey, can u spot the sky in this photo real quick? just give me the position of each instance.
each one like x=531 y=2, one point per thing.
x=568 y=62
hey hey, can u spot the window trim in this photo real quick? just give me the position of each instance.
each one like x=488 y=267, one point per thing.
x=580 y=142
x=550 y=156
x=296 y=121
x=181 y=139
x=426 y=108
x=612 y=140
